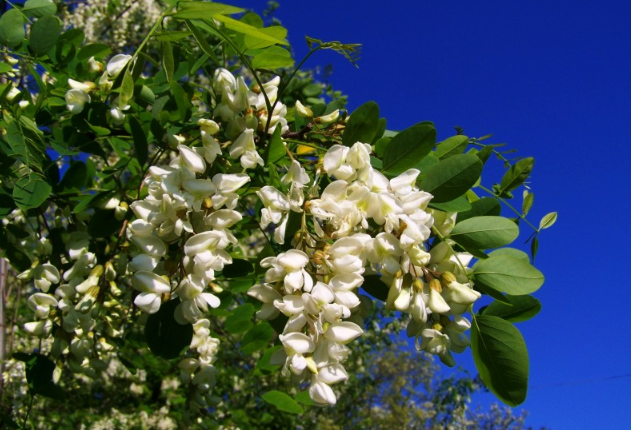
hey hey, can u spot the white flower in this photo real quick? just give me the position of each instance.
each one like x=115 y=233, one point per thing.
x=245 y=148
x=151 y=287
x=76 y=100
x=45 y=275
x=191 y=159
x=275 y=202
x=40 y=303
x=117 y=64
x=83 y=86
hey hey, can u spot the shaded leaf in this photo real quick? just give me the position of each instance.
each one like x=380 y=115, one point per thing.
x=275 y=149
x=31 y=191
x=408 y=148
x=44 y=35
x=521 y=308
x=486 y=206
x=12 y=28
x=39 y=8
x=375 y=287
x=164 y=335
x=282 y=401
x=501 y=358
x=362 y=125
x=238 y=269
x=141 y=146
x=452 y=177
x=257 y=338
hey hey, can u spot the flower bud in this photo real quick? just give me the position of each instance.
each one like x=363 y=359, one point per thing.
x=327 y=119
x=117 y=64
x=95 y=66
x=302 y=110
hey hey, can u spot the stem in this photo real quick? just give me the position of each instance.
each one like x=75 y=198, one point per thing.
x=510 y=207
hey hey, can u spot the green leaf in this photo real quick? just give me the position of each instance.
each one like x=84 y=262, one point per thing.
x=31 y=191
x=44 y=35
x=141 y=146
x=408 y=148
x=529 y=198
x=451 y=146
x=127 y=87
x=201 y=41
x=276 y=32
x=511 y=252
x=103 y=223
x=485 y=232
x=248 y=30
x=5 y=67
x=39 y=8
x=12 y=28
x=39 y=375
x=273 y=57
x=452 y=177
x=458 y=204
x=501 y=357
x=172 y=36
x=257 y=338
x=521 y=308
x=241 y=319
x=375 y=287
x=283 y=402
x=362 y=125
x=18 y=259
x=238 y=269
x=516 y=175
x=164 y=335
x=199 y=10
x=293 y=225
x=275 y=149
x=486 y=206
x=548 y=220
x=534 y=247
x=75 y=177
x=508 y=274
x=168 y=63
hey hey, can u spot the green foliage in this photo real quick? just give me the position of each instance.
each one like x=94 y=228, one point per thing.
x=501 y=357
x=78 y=173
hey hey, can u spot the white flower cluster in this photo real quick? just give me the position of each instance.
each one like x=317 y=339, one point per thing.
x=243 y=112
x=315 y=285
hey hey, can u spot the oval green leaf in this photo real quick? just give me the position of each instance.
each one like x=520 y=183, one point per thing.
x=508 y=275
x=363 y=124
x=451 y=146
x=12 y=28
x=44 y=35
x=501 y=357
x=408 y=148
x=283 y=402
x=165 y=336
x=377 y=289
x=31 y=191
x=486 y=206
x=548 y=220
x=485 y=232
x=452 y=177
x=521 y=308
x=516 y=175
x=39 y=8
x=273 y=57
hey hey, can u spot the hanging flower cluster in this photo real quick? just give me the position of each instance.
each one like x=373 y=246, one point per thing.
x=362 y=223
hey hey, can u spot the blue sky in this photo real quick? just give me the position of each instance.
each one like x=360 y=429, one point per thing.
x=552 y=80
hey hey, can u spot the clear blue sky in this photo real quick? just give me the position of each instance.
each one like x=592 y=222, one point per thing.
x=553 y=80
